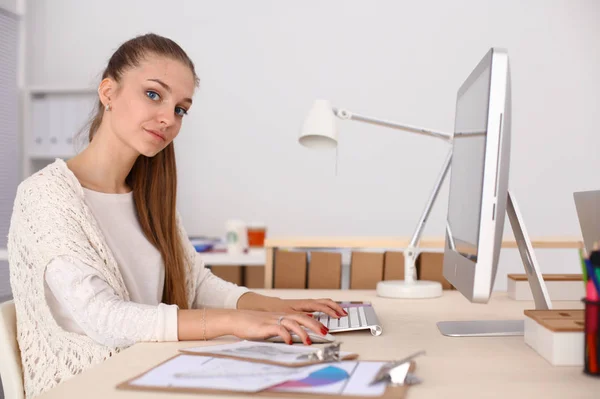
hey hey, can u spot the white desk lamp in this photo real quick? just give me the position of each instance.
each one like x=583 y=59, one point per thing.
x=319 y=131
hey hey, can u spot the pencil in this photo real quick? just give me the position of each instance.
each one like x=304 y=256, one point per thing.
x=593 y=276
x=595 y=260
x=583 y=267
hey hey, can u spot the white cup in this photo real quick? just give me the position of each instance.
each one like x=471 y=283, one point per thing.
x=236 y=235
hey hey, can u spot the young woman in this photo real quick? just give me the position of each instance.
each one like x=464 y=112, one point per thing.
x=99 y=258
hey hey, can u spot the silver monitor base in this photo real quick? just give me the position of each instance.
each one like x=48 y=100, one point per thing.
x=482 y=328
x=503 y=328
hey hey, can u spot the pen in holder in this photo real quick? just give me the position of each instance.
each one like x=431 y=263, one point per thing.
x=592 y=338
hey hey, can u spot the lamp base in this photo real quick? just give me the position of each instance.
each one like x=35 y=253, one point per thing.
x=415 y=289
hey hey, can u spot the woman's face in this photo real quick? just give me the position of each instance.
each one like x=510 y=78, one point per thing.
x=151 y=100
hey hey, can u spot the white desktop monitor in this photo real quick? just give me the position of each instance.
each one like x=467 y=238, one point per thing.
x=479 y=198
x=479 y=178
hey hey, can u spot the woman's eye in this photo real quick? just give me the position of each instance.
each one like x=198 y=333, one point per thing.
x=152 y=95
x=180 y=111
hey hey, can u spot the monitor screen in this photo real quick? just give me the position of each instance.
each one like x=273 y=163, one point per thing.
x=468 y=160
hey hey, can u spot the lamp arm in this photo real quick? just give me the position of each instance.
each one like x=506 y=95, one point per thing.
x=410 y=253
x=345 y=114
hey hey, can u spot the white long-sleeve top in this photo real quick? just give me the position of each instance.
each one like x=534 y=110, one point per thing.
x=51 y=219
x=82 y=302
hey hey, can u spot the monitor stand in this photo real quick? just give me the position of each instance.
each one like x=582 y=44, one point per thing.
x=495 y=328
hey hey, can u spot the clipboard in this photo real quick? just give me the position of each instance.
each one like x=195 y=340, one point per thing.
x=305 y=356
x=391 y=391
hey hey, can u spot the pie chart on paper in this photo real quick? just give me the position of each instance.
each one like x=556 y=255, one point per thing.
x=325 y=376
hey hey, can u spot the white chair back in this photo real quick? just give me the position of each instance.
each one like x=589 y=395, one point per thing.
x=11 y=370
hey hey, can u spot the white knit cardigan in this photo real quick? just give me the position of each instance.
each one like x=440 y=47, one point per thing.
x=51 y=219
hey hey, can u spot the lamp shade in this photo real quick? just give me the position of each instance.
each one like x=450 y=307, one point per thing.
x=319 y=130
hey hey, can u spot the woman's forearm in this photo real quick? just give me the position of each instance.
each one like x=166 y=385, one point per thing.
x=254 y=301
x=193 y=325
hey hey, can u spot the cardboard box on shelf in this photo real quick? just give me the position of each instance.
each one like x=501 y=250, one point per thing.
x=430 y=267
x=290 y=269
x=366 y=270
x=325 y=270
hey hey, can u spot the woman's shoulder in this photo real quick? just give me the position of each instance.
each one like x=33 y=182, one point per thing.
x=54 y=181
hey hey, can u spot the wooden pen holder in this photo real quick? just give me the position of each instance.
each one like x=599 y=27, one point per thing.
x=557 y=335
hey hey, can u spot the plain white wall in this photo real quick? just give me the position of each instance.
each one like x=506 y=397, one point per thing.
x=262 y=63
x=14 y=6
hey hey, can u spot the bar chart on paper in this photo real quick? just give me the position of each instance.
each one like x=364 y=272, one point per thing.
x=329 y=375
x=344 y=378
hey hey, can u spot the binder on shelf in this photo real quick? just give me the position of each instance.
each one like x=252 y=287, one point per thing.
x=70 y=119
x=55 y=123
x=39 y=124
x=56 y=118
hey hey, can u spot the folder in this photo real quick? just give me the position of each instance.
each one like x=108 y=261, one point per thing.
x=144 y=382
x=40 y=115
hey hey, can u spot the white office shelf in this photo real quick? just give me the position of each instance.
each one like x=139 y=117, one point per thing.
x=254 y=257
x=60 y=90
x=52 y=116
x=49 y=157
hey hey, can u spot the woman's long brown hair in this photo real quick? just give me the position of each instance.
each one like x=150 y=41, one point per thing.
x=154 y=179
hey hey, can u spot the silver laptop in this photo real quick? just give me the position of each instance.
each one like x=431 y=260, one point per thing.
x=361 y=316
x=587 y=204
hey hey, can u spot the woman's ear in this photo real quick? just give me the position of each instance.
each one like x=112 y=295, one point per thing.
x=105 y=90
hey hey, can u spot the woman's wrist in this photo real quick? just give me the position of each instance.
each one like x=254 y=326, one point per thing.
x=200 y=324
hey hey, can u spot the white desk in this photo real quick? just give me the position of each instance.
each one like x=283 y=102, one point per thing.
x=502 y=367
x=254 y=257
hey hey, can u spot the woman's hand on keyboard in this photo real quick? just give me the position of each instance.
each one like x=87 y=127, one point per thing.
x=254 y=301
x=251 y=325
x=326 y=306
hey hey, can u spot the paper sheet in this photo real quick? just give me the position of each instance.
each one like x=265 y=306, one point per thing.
x=362 y=376
x=193 y=371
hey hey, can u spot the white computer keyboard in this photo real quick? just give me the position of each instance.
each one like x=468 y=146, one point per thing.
x=359 y=318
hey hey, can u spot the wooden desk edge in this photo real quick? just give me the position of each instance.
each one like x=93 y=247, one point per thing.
x=400 y=242
x=548 y=277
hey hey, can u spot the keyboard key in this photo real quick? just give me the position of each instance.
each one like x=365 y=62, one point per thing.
x=333 y=324
x=343 y=322
x=362 y=316
x=354 y=322
x=324 y=319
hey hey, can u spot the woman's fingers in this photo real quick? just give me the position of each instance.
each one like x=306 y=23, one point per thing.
x=333 y=305
x=310 y=323
x=283 y=333
x=294 y=326
x=324 y=308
